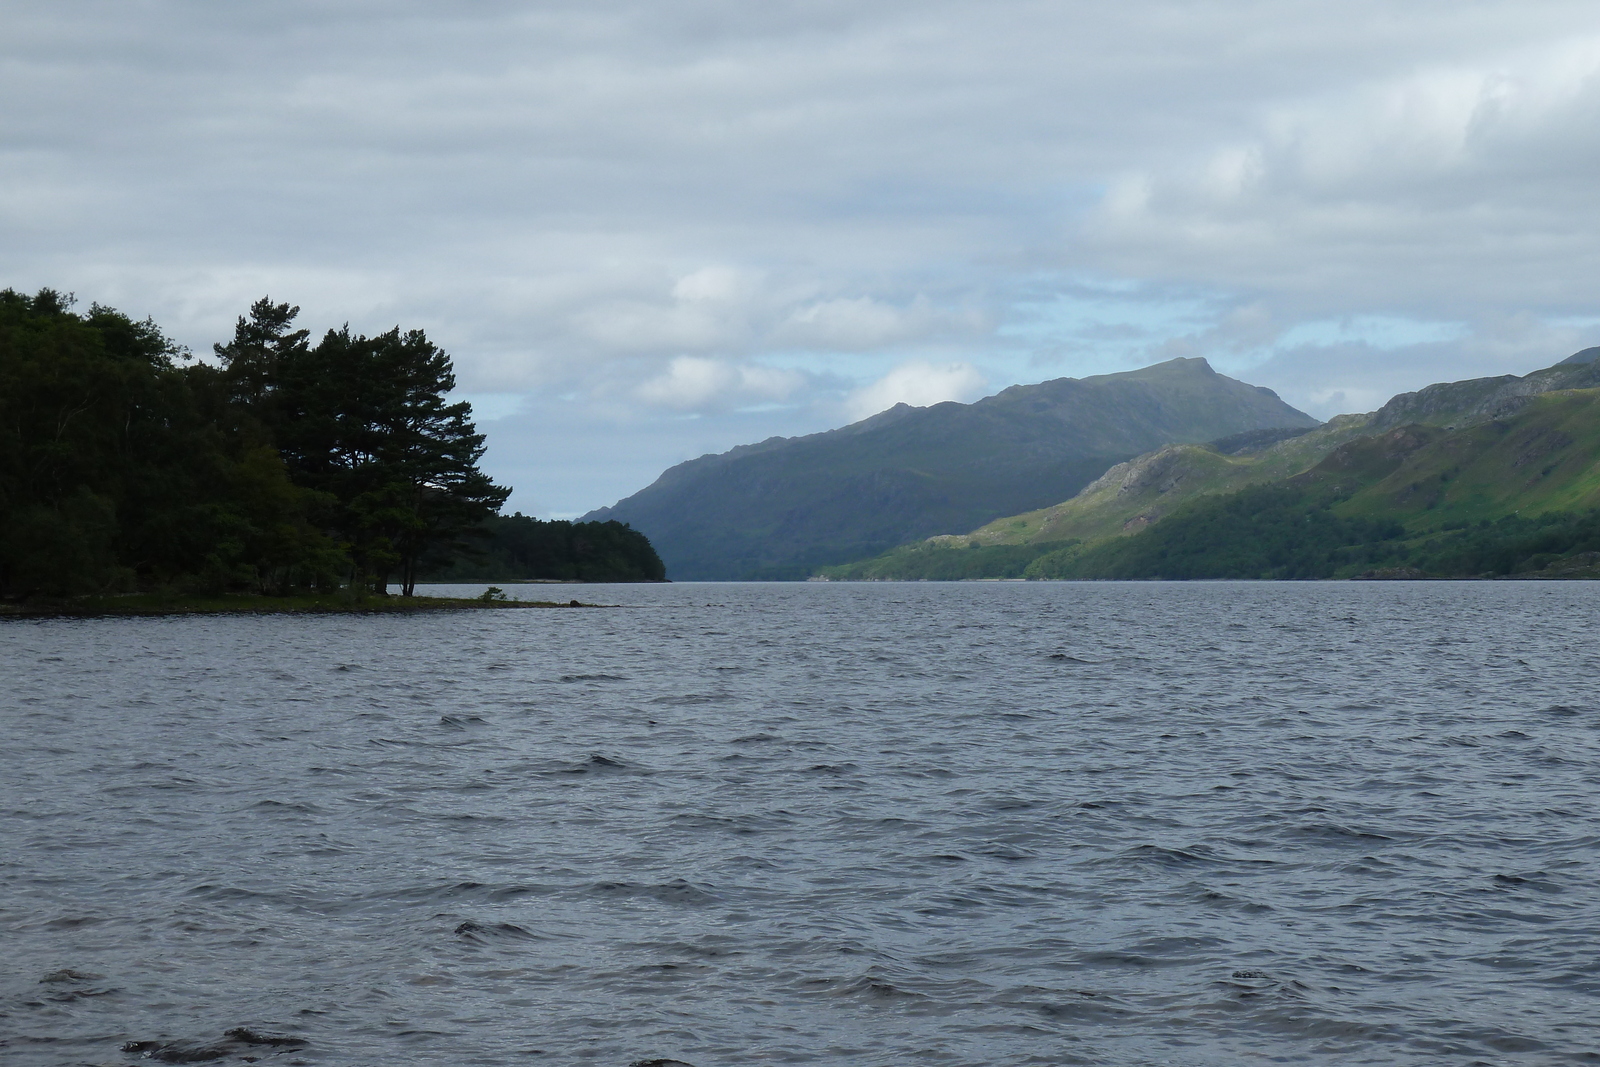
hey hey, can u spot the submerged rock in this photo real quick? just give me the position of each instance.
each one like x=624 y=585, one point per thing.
x=67 y=974
x=239 y=1040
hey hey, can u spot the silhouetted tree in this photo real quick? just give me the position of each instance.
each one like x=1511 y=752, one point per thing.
x=262 y=345
x=365 y=419
x=519 y=547
x=120 y=468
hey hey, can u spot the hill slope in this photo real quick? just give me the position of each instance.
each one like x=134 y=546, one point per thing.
x=781 y=508
x=1544 y=457
x=1511 y=495
x=1141 y=492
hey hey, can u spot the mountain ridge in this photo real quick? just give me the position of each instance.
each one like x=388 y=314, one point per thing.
x=781 y=507
x=1411 y=460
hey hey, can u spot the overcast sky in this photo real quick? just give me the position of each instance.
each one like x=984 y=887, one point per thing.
x=646 y=231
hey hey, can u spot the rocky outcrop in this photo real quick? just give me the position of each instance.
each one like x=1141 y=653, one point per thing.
x=1460 y=404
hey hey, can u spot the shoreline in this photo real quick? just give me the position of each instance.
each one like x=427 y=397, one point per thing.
x=151 y=604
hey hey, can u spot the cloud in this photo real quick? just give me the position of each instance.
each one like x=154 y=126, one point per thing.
x=713 y=285
x=1339 y=376
x=651 y=207
x=1443 y=189
x=919 y=384
x=858 y=322
x=693 y=383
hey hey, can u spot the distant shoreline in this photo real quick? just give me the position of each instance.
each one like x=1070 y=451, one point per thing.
x=244 y=604
x=543 y=581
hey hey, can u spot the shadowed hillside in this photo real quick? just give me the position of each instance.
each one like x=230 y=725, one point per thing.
x=781 y=508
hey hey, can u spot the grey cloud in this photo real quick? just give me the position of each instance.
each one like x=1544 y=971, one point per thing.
x=554 y=190
x=1328 y=380
x=1438 y=191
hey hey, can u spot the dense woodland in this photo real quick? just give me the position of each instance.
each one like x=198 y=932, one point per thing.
x=515 y=547
x=283 y=466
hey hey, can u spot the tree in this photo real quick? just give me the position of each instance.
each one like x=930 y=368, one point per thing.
x=262 y=345
x=520 y=547
x=119 y=468
x=365 y=419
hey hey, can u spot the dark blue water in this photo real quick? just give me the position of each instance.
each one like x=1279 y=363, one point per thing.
x=833 y=824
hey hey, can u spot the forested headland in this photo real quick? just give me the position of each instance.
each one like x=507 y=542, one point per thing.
x=518 y=548
x=282 y=467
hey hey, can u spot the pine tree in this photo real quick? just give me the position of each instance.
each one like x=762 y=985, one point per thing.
x=262 y=345
x=366 y=420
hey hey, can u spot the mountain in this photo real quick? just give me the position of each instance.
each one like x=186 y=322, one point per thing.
x=1487 y=449
x=782 y=508
x=1513 y=495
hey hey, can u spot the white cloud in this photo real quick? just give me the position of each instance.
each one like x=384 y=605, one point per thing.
x=919 y=384
x=713 y=285
x=866 y=324
x=694 y=383
x=1334 y=377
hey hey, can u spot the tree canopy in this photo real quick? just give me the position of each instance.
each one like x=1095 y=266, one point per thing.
x=118 y=466
x=516 y=547
x=366 y=421
x=126 y=464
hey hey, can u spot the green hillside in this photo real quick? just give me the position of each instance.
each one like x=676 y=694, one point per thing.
x=1545 y=458
x=1520 y=494
x=1140 y=492
x=1428 y=462
x=1129 y=497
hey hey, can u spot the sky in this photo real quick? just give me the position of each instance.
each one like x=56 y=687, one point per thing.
x=647 y=231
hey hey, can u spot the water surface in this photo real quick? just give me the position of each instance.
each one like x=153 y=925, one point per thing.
x=1096 y=823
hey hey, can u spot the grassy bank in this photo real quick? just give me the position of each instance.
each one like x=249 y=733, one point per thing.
x=246 y=604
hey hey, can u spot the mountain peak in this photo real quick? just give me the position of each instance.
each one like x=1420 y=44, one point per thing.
x=780 y=509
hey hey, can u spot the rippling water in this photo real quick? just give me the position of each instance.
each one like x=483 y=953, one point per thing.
x=856 y=824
